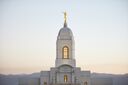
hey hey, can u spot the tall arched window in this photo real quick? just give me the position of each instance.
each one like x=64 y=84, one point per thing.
x=65 y=78
x=65 y=52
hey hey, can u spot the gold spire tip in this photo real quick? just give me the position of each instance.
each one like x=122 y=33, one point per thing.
x=65 y=17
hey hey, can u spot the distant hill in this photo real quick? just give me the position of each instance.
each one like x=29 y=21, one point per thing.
x=117 y=79
x=14 y=79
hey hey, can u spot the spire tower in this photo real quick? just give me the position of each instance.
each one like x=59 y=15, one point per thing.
x=65 y=46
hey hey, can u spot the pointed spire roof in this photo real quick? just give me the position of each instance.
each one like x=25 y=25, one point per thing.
x=65 y=32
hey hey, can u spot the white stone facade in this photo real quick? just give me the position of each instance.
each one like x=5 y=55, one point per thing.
x=65 y=71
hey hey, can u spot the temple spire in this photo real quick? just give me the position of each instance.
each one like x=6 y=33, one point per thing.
x=65 y=19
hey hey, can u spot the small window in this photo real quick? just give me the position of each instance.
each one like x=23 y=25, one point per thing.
x=65 y=52
x=65 y=78
x=45 y=83
x=85 y=83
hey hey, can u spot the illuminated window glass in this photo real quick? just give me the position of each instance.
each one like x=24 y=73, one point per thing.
x=65 y=52
x=65 y=78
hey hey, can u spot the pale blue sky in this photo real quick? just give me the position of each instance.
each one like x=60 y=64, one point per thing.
x=28 y=31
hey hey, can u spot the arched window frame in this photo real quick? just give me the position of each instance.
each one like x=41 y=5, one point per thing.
x=65 y=52
x=65 y=78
